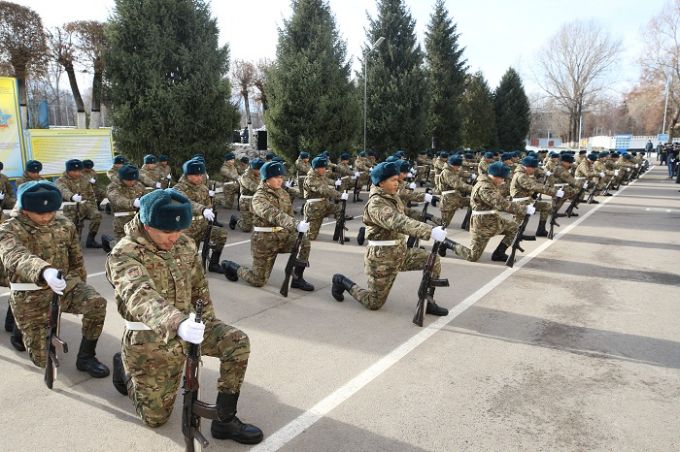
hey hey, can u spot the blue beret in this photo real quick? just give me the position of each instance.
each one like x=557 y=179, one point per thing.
x=33 y=166
x=603 y=155
x=383 y=171
x=167 y=210
x=404 y=166
x=499 y=169
x=278 y=159
x=392 y=159
x=399 y=153
x=627 y=156
x=581 y=152
x=531 y=153
x=554 y=154
x=198 y=156
x=469 y=156
x=2 y=165
x=304 y=155
x=515 y=153
x=89 y=164
x=256 y=163
x=119 y=160
x=193 y=167
x=592 y=157
x=74 y=165
x=272 y=169
x=319 y=162
x=229 y=156
x=455 y=160
x=567 y=158
x=269 y=156
x=634 y=153
x=163 y=158
x=244 y=159
x=488 y=155
x=506 y=156
x=149 y=158
x=495 y=153
x=531 y=162
x=372 y=153
x=38 y=197
x=345 y=156
x=128 y=172
x=444 y=154
x=362 y=153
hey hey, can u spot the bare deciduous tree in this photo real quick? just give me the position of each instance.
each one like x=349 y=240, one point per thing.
x=575 y=65
x=243 y=76
x=63 y=50
x=261 y=81
x=90 y=42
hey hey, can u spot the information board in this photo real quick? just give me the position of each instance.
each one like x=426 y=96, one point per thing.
x=11 y=144
x=52 y=147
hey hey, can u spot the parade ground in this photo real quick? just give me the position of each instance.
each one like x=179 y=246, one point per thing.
x=575 y=348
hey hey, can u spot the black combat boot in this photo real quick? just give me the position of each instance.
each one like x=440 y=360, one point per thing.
x=499 y=253
x=17 y=339
x=87 y=362
x=447 y=244
x=299 y=282
x=411 y=241
x=233 y=221
x=214 y=264
x=541 y=231
x=118 y=377
x=432 y=307
x=341 y=283
x=91 y=242
x=9 y=320
x=108 y=243
x=228 y=426
x=230 y=270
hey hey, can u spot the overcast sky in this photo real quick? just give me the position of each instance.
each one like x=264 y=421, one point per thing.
x=496 y=33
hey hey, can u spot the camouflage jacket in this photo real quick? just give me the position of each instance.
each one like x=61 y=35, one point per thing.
x=302 y=167
x=229 y=172
x=87 y=175
x=483 y=166
x=585 y=170
x=451 y=179
x=439 y=164
x=316 y=186
x=486 y=196
x=524 y=185
x=69 y=186
x=249 y=182
x=7 y=190
x=112 y=174
x=407 y=195
x=601 y=167
x=563 y=176
x=122 y=197
x=272 y=208
x=241 y=167
x=197 y=194
x=362 y=164
x=343 y=170
x=164 y=171
x=385 y=219
x=149 y=176
x=154 y=286
x=26 y=178
x=26 y=249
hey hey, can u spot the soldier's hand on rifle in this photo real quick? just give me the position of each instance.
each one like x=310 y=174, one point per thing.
x=2 y=196
x=209 y=215
x=338 y=182
x=438 y=234
x=428 y=197
x=169 y=177
x=51 y=277
x=560 y=193
x=211 y=193
x=93 y=181
x=548 y=174
x=531 y=210
x=344 y=196
x=190 y=330
x=357 y=174
x=136 y=203
x=76 y=198
x=158 y=185
x=601 y=174
x=302 y=226
x=585 y=185
x=412 y=185
x=616 y=172
x=288 y=184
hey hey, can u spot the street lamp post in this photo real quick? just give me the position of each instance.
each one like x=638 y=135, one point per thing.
x=375 y=45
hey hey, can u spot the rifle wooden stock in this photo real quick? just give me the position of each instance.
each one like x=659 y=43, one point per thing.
x=516 y=242
x=340 y=228
x=53 y=341
x=426 y=283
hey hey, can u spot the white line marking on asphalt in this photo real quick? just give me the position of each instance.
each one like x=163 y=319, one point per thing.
x=304 y=421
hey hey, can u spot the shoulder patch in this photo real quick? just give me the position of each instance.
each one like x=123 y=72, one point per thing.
x=133 y=273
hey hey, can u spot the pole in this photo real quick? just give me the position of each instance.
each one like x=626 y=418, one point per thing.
x=365 y=100
x=665 y=108
x=580 y=125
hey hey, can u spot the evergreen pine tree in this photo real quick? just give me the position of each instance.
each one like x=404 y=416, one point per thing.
x=167 y=83
x=396 y=113
x=513 y=115
x=312 y=105
x=446 y=79
x=479 y=117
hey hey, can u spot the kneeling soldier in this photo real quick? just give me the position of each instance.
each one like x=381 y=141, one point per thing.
x=124 y=194
x=35 y=247
x=157 y=278
x=386 y=255
x=80 y=201
x=275 y=231
x=319 y=196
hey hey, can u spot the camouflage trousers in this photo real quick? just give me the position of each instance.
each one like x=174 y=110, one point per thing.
x=381 y=264
x=417 y=214
x=155 y=368
x=31 y=309
x=451 y=203
x=86 y=211
x=300 y=184
x=218 y=236
x=293 y=193
x=316 y=212
x=482 y=231
x=264 y=246
x=229 y=194
x=245 y=222
x=119 y=225
x=544 y=208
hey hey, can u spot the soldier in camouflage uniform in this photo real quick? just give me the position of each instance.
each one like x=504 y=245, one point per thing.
x=564 y=180
x=362 y=165
x=386 y=229
x=440 y=163
x=248 y=184
x=484 y=164
x=242 y=165
x=423 y=167
x=600 y=167
x=149 y=174
x=454 y=189
x=7 y=198
x=125 y=195
x=344 y=172
x=229 y=174
x=302 y=167
x=275 y=231
x=31 y=173
x=90 y=175
x=164 y=171
x=586 y=173
x=487 y=200
x=41 y=256
x=191 y=186
x=319 y=197
x=158 y=278
x=408 y=194
x=118 y=162
x=81 y=204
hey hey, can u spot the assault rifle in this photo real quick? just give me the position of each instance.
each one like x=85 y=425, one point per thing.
x=208 y=231
x=413 y=241
x=194 y=409
x=553 y=218
x=293 y=261
x=357 y=190
x=576 y=200
x=340 y=228
x=428 y=285
x=516 y=242
x=466 y=221
x=53 y=341
x=78 y=220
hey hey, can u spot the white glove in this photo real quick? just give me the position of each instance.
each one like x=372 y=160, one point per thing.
x=560 y=193
x=104 y=202
x=158 y=185
x=169 y=177
x=628 y=170
x=211 y=193
x=531 y=210
x=2 y=196
x=637 y=165
x=302 y=226
x=207 y=176
x=412 y=185
x=428 y=197
x=288 y=184
x=190 y=330
x=548 y=173
x=438 y=234
x=585 y=185
x=51 y=277
x=136 y=203
x=616 y=172
x=93 y=181
x=76 y=198
x=410 y=174
x=357 y=174
x=601 y=174
x=208 y=214
x=338 y=182
x=344 y=196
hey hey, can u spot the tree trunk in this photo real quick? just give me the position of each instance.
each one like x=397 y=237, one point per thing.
x=674 y=123
x=20 y=74
x=96 y=97
x=247 y=102
x=70 y=71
